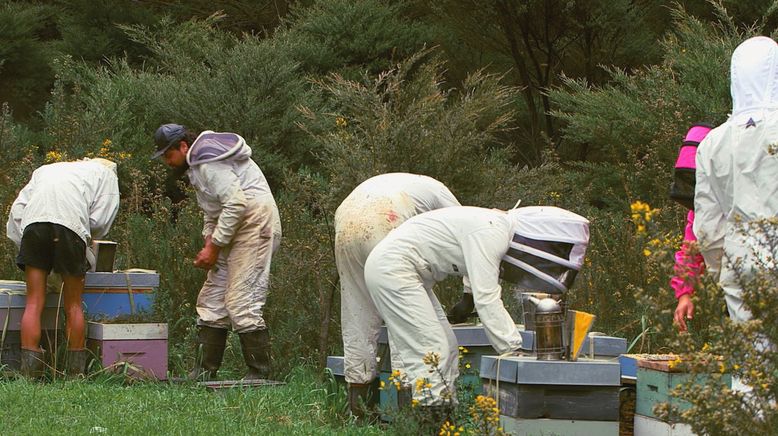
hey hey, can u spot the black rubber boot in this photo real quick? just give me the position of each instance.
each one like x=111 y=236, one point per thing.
x=32 y=363
x=363 y=399
x=256 y=353
x=209 y=353
x=76 y=362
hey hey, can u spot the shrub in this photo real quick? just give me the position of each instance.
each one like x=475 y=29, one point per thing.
x=746 y=350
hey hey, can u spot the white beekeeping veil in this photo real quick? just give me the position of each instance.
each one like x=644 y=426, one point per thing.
x=547 y=248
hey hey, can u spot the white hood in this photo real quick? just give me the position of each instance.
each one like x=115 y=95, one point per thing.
x=549 y=243
x=754 y=78
x=214 y=146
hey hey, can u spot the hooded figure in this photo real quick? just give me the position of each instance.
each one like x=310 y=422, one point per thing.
x=365 y=217
x=241 y=231
x=531 y=246
x=736 y=172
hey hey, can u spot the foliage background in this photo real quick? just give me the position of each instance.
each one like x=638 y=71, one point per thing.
x=585 y=112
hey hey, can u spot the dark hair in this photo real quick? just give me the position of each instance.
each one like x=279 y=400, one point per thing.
x=189 y=137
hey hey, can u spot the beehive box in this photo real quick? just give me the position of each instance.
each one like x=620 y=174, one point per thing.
x=657 y=377
x=108 y=295
x=143 y=347
x=530 y=389
x=554 y=427
x=647 y=426
x=12 y=308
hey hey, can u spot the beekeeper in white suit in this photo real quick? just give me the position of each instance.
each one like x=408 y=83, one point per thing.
x=363 y=219
x=540 y=248
x=241 y=231
x=64 y=207
x=737 y=173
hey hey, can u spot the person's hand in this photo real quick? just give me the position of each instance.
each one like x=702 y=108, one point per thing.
x=684 y=311
x=206 y=258
x=462 y=310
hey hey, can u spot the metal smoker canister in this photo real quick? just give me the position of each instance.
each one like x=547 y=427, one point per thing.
x=549 y=320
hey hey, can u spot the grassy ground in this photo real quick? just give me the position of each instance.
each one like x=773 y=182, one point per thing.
x=108 y=405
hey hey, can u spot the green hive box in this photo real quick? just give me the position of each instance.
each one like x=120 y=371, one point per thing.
x=654 y=386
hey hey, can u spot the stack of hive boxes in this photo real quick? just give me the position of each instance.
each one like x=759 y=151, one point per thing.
x=114 y=301
x=556 y=396
x=657 y=375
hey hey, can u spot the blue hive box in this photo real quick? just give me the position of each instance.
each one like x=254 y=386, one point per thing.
x=109 y=295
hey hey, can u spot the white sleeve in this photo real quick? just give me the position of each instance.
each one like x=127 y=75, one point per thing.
x=209 y=225
x=14 y=225
x=483 y=249
x=446 y=198
x=223 y=182
x=709 y=219
x=104 y=206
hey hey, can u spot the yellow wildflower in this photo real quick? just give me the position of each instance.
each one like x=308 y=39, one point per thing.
x=341 y=122
x=53 y=156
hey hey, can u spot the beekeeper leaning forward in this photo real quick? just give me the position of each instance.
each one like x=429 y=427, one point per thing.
x=57 y=214
x=538 y=248
x=242 y=230
x=369 y=213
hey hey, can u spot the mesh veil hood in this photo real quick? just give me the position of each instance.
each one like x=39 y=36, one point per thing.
x=214 y=146
x=754 y=76
x=547 y=248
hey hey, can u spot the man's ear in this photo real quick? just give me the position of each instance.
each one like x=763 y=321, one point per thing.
x=183 y=146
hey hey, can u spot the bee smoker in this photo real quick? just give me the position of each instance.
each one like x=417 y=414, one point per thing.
x=549 y=329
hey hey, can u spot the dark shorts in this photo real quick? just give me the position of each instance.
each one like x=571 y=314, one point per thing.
x=49 y=246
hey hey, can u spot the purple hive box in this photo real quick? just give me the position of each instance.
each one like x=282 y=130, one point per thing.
x=142 y=346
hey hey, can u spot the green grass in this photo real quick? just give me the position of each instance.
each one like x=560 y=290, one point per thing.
x=305 y=405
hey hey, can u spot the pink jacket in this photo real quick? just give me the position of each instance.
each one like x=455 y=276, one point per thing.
x=688 y=266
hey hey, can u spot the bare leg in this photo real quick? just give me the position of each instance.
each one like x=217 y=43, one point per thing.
x=36 y=298
x=74 y=314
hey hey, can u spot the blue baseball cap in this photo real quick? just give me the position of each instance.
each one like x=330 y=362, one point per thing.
x=167 y=135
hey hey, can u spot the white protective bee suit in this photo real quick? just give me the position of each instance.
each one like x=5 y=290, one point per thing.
x=82 y=196
x=363 y=219
x=476 y=243
x=241 y=216
x=737 y=171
